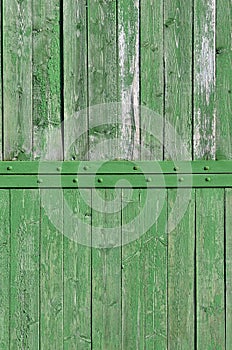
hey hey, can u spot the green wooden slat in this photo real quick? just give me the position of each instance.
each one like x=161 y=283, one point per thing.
x=102 y=76
x=153 y=271
x=75 y=77
x=204 y=123
x=77 y=272
x=210 y=268
x=223 y=79
x=128 y=77
x=133 y=303
x=106 y=271
x=4 y=268
x=51 y=272
x=1 y=85
x=181 y=245
x=17 y=67
x=151 y=73
x=24 y=274
x=228 y=266
x=178 y=77
x=46 y=77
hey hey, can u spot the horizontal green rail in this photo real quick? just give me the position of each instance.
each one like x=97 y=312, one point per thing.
x=116 y=167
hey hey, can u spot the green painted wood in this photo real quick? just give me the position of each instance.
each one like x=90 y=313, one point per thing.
x=223 y=79
x=151 y=74
x=178 y=78
x=46 y=93
x=180 y=289
x=4 y=268
x=210 y=268
x=106 y=270
x=75 y=31
x=77 y=271
x=51 y=271
x=153 y=270
x=228 y=267
x=128 y=77
x=17 y=66
x=102 y=77
x=133 y=303
x=1 y=84
x=204 y=122
x=24 y=269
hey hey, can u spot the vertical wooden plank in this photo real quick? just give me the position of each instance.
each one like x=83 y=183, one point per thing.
x=4 y=268
x=46 y=77
x=223 y=79
x=128 y=76
x=153 y=274
x=102 y=76
x=151 y=75
x=178 y=76
x=17 y=67
x=75 y=28
x=181 y=256
x=77 y=271
x=204 y=79
x=132 y=275
x=51 y=271
x=210 y=268
x=228 y=267
x=1 y=82
x=24 y=275
x=106 y=270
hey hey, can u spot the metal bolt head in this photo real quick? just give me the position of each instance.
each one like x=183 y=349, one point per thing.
x=100 y=180
x=206 y=167
x=136 y=167
x=39 y=181
x=208 y=179
x=85 y=167
x=181 y=179
x=176 y=168
x=148 y=179
x=9 y=167
x=58 y=168
x=75 y=180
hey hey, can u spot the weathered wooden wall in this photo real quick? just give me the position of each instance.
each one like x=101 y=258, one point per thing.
x=158 y=292
x=59 y=57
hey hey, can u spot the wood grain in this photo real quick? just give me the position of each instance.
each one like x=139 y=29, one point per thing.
x=17 y=66
x=151 y=77
x=102 y=77
x=204 y=123
x=223 y=79
x=128 y=77
x=210 y=268
x=178 y=78
x=46 y=79
x=51 y=271
x=77 y=271
x=181 y=251
x=24 y=272
x=4 y=268
x=228 y=266
x=106 y=270
x=75 y=32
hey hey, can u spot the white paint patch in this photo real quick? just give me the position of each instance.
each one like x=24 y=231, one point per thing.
x=206 y=54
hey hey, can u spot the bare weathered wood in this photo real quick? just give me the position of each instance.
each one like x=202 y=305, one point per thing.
x=210 y=269
x=128 y=77
x=77 y=270
x=46 y=79
x=75 y=53
x=24 y=269
x=223 y=79
x=204 y=123
x=51 y=271
x=178 y=78
x=181 y=248
x=151 y=77
x=17 y=66
x=4 y=268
